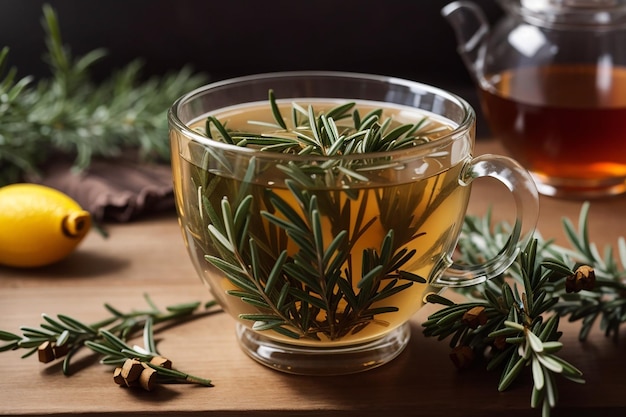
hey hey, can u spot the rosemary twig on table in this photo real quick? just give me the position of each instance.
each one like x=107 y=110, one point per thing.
x=513 y=319
x=61 y=337
x=72 y=116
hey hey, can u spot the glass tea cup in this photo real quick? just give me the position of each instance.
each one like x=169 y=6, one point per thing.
x=322 y=256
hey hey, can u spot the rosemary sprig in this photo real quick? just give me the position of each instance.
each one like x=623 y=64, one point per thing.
x=518 y=329
x=63 y=336
x=511 y=324
x=605 y=298
x=296 y=289
x=116 y=352
x=322 y=289
x=341 y=130
x=72 y=116
x=601 y=297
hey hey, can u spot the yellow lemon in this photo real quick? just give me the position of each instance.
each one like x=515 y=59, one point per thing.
x=38 y=225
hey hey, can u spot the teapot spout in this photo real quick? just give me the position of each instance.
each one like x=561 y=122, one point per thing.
x=471 y=28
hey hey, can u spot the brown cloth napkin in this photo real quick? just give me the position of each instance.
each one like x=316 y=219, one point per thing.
x=114 y=190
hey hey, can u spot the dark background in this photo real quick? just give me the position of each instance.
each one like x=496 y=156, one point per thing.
x=225 y=38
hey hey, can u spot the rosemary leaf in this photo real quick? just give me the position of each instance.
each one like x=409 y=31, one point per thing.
x=276 y=111
x=272 y=278
x=534 y=341
x=148 y=336
x=370 y=276
x=537 y=372
x=54 y=325
x=76 y=324
x=9 y=346
x=102 y=349
x=256 y=302
x=63 y=337
x=8 y=336
x=512 y=374
x=412 y=277
x=549 y=363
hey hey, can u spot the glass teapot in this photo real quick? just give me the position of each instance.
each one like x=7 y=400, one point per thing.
x=552 y=81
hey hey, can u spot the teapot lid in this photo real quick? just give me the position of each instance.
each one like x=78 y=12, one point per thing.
x=580 y=14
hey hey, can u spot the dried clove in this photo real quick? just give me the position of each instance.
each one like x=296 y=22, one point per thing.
x=584 y=278
x=474 y=317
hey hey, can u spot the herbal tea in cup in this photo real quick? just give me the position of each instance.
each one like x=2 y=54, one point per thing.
x=320 y=208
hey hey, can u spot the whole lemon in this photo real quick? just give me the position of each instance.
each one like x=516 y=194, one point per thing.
x=38 y=225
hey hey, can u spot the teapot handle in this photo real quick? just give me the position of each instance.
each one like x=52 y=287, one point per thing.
x=471 y=27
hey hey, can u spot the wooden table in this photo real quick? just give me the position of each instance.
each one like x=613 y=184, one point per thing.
x=148 y=256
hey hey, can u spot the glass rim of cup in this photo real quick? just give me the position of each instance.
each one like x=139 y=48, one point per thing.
x=457 y=131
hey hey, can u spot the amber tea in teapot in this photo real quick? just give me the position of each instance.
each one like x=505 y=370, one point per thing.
x=551 y=75
x=559 y=124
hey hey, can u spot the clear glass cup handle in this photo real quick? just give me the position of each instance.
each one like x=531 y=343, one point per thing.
x=522 y=187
